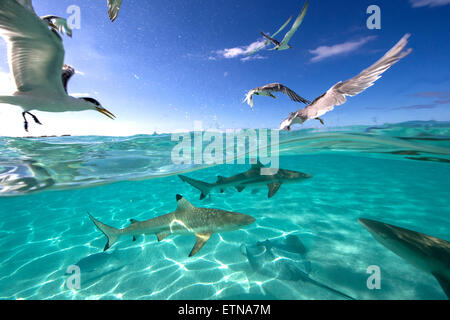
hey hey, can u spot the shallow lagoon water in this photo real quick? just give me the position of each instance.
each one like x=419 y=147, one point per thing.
x=396 y=174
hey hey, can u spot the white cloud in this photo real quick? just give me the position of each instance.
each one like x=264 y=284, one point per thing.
x=237 y=52
x=253 y=57
x=323 y=52
x=429 y=3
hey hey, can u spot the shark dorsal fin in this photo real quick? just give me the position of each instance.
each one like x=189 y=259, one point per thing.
x=183 y=204
x=220 y=179
x=257 y=165
x=132 y=221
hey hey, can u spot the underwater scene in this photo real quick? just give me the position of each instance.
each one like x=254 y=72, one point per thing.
x=305 y=241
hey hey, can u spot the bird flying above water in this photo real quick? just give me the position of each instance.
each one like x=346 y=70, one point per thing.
x=336 y=95
x=273 y=87
x=272 y=36
x=284 y=44
x=35 y=56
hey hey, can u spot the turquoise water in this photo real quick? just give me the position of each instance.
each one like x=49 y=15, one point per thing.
x=397 y=174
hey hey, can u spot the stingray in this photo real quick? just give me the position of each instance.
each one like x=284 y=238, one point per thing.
x=284 y=259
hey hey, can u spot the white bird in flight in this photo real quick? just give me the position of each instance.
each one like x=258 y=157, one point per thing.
x=272 y=36
x=35 y=56
x=273 y=87
x=284 y=44
x=336 y=95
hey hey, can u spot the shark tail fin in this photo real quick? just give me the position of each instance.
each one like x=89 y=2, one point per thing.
x=111 y=233
x=204 y=187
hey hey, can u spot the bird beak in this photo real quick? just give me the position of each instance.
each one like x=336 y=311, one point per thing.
x=273 y=96
x=105 y=112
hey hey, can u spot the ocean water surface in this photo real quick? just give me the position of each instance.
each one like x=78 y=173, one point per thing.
x=397 y=174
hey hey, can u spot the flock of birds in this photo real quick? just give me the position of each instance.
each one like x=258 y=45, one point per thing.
x=336 y=95
x=36 y=59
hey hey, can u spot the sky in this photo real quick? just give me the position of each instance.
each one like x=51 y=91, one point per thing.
x=162 y=65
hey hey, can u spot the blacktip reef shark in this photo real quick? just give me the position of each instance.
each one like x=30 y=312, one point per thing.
x=284 y=259
x=425 y=252
x=250 y=178
x=186 y=219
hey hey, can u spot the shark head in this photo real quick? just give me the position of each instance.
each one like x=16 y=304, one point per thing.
x=425 y=252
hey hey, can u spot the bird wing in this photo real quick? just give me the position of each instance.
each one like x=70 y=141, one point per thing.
x=278 y=87
x=270 y=39
x=27 y=4
x=35 y=53
x=269 y=42
x=336 y=95
x=282 y=27
x=296 y=24
x=113 y=8
x=58 y=24
x=67 y=73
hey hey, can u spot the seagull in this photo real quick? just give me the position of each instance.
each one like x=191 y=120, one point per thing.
x=336 y=95
x=36 y=58
x=272 y=36
x=273 y=87
x=285 y=42
x=113 y=8
x=56 y=23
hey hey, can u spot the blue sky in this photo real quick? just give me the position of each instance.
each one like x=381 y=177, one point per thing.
x=163 y=65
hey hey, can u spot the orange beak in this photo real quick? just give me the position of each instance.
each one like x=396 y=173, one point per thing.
x=106 y=112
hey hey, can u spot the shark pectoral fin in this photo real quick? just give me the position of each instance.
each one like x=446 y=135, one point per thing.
x=162 y=235
x=240 y=188
x=444 y=282
x=134 y=238
x=202 y=238
x=202 y=196
x=222 y=190
x=273 y=188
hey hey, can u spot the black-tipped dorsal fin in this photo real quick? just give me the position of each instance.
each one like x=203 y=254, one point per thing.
x=183 y=204
x=273 y=188
x=220 y=179
x=240 y=188
x=444 y=282
x=132 y=221
x=202 y=238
